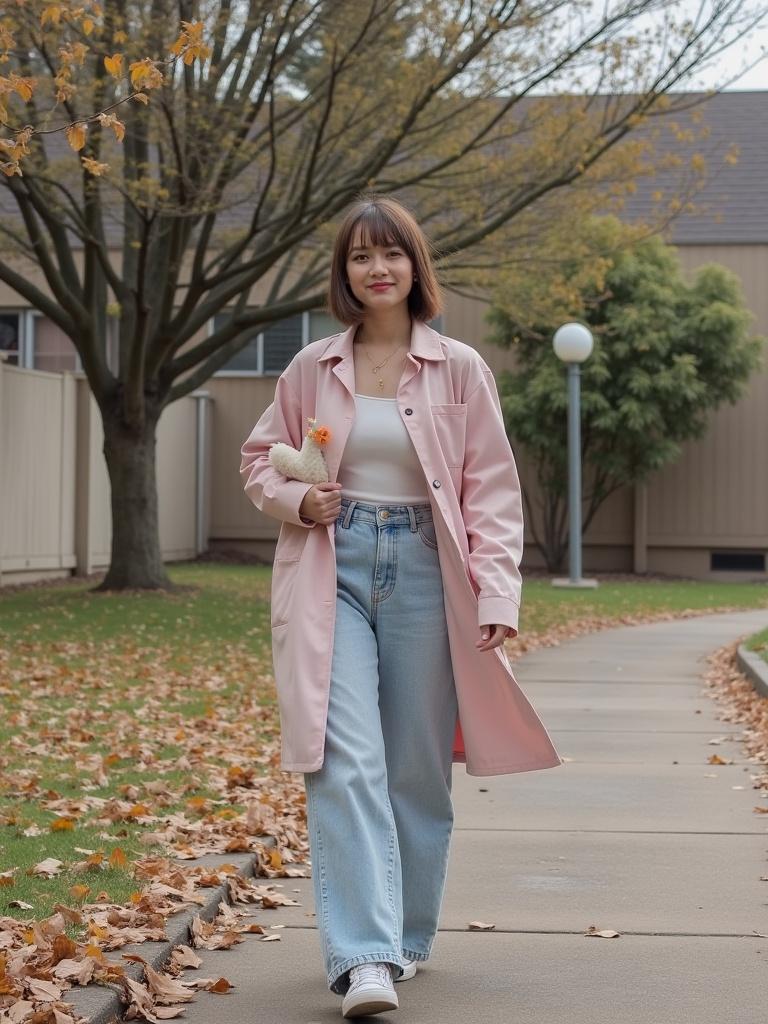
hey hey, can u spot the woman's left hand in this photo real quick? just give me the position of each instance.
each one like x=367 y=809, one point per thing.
x=493 y=636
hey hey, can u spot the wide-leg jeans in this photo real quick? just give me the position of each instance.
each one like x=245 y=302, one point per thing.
x=379 y=809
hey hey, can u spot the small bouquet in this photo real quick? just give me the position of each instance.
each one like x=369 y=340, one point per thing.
x=308 y=464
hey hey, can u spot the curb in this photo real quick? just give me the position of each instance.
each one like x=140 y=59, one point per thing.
x=754 y=668
x=101 y=1003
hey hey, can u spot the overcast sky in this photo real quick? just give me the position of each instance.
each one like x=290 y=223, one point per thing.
x=734 y=60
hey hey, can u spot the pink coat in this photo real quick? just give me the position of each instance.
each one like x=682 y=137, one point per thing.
x=448 y=402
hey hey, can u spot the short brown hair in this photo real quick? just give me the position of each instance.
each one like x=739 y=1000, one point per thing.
x=383 y=221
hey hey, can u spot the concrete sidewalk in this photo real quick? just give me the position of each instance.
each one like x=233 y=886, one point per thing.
x=633 y=833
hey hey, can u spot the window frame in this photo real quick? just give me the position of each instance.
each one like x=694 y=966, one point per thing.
x=260 y=372
x=35 y=314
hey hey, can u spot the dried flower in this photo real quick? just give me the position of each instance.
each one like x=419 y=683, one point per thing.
x=320 y=435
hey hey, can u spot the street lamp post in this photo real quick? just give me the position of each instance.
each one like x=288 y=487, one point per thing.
x=573 y=344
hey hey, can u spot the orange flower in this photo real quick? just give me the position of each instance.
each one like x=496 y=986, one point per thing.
x=321 y=435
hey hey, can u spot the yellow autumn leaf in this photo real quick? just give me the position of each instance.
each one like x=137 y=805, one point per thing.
x=120 y=36
x=79 y=892
x=141 y=97
x=88 y=25
x=76 y=134
x=62 y=825
x=51 y=13
x=145 y=75
x=22 y=86
x=114 y=64
x=137 y=811
x=275 y=860
x=118 y=859
x=112 y=121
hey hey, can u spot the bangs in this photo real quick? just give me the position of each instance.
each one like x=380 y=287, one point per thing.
x=376 y=226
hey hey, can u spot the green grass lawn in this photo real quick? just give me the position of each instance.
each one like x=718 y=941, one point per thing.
x=105 y=696
x=545 y=606
x=759 y=644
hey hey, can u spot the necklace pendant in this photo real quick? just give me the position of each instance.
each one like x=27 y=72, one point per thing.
x=381 y=384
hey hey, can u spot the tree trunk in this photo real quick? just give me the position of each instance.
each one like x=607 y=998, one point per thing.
x=130 y=454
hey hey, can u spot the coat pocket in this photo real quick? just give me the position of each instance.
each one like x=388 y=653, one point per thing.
x=451 y=430
x=283 y=587
x=290 y=542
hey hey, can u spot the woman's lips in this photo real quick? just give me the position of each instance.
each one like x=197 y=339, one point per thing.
x=380 y=287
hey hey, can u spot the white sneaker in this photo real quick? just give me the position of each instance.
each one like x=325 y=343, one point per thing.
x=370 y=991
x=408 y=971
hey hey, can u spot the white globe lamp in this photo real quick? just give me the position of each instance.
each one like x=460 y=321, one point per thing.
x=573 y=343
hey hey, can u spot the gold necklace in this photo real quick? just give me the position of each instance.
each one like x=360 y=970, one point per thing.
x=377 y=367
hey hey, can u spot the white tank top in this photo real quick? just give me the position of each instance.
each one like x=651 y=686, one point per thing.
x=379 y=463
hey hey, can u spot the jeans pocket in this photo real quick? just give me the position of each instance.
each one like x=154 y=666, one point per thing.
x=426 y=532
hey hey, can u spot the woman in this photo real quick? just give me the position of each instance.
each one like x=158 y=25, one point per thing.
x=374 y=618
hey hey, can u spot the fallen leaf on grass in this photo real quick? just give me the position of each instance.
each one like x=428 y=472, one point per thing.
x=50 y=866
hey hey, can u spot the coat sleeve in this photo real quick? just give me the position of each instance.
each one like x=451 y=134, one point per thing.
x=269 y=490
x=492 y=507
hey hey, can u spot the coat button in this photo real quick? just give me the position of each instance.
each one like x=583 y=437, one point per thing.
x=435 y=483
x=408 y=412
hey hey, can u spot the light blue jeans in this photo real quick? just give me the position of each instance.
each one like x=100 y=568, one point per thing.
x=379 y=809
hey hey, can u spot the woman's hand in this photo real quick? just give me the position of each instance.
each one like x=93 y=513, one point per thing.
x=494 y=636
x=322 y=503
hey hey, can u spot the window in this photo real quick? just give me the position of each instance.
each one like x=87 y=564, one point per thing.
x=281 y=343
x=322 y=325
x=35 y=342
x=10 y=337
x=52 y=350
x=269 y=350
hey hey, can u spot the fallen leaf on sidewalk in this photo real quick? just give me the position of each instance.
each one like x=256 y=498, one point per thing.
x=219 y=987
x=480 y=926
x=602 y=933
x=185 y=956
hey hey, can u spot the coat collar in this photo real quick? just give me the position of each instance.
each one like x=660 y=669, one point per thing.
x=425 y=343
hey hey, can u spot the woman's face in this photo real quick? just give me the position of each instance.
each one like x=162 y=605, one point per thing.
x=380 y=276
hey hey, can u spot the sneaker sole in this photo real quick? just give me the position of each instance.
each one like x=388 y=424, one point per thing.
x=367 y=1004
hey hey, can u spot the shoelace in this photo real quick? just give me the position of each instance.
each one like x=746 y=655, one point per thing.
x=376 y=974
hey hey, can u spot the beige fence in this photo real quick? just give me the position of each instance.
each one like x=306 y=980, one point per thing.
x=54 y=489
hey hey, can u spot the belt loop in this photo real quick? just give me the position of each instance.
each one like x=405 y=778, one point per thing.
x=348 y=515
x=412 y=517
